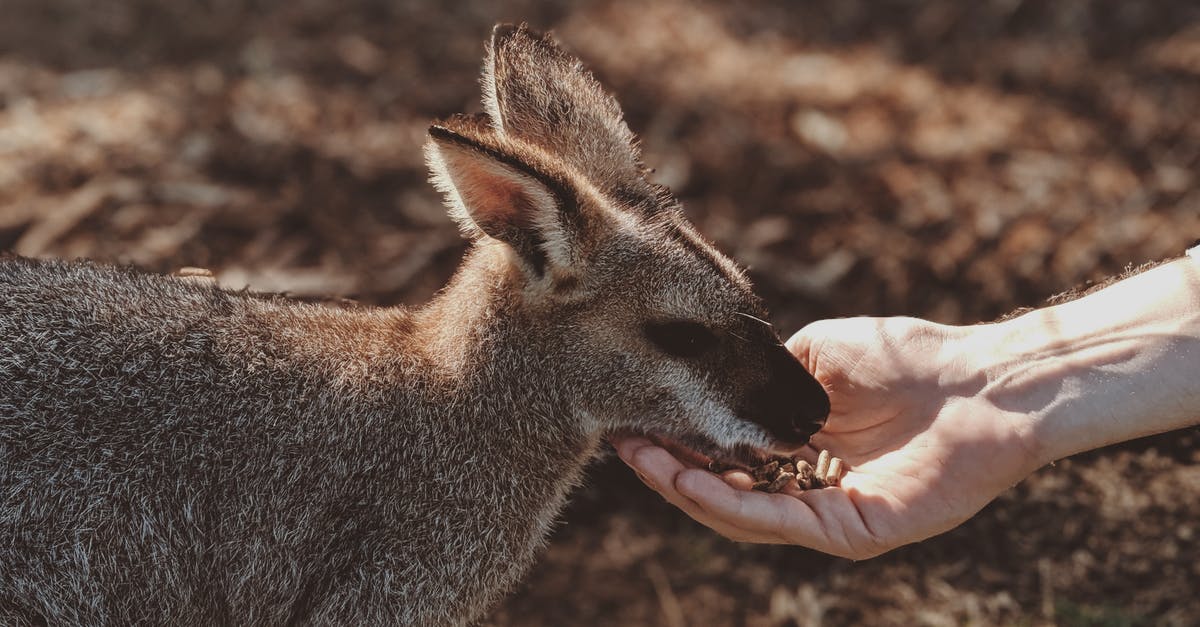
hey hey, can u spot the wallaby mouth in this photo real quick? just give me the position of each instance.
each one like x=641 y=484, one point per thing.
x=788 y=404
x=701 y=451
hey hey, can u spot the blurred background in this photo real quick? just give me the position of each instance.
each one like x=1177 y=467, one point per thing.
x=943 y=159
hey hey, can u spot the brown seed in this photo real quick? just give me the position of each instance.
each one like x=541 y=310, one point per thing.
x=766 y=472
x=781 y=482
x=761 y=486
x=788 y=467
x=804 y=474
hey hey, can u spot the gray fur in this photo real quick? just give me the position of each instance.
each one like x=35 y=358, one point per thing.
x=172 y=452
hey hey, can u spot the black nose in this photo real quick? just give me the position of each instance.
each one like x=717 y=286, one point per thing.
x=811 y=408
x=792 y=405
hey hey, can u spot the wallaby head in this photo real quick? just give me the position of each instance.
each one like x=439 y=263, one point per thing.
x=653 y=329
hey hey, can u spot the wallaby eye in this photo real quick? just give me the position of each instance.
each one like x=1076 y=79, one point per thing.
x=680 y=338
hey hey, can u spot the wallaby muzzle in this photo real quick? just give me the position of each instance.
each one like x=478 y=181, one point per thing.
x=792 y=405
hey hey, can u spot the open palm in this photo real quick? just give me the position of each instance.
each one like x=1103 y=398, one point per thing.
x=924 y=446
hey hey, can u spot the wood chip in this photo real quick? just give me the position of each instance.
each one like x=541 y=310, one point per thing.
x=780 y=482
x=766 y=472
x=823 y=464
x=834 y=477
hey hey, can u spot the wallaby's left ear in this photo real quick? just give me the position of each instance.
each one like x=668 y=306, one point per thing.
x=535 y=91
x=493 y=193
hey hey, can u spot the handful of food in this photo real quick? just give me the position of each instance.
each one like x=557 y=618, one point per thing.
x=781 y=472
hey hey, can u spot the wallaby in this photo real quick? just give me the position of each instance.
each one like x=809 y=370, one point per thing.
x=175 y=453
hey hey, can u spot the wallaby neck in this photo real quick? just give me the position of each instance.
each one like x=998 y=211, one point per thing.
x=485 y=346
x=496 y=365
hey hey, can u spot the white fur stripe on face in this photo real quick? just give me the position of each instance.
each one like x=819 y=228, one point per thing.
x=707 y=415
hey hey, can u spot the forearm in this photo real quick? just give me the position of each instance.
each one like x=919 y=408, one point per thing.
x=1117 y=364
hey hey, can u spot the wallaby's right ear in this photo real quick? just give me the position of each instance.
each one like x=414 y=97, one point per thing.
x=493 y=193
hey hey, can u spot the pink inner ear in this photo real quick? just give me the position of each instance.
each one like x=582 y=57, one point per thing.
x=504 y=204
x=496 y=197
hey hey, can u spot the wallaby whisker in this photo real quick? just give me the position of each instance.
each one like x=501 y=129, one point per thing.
x=754 y=318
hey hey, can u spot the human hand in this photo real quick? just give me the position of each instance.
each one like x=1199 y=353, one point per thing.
x=925 y=448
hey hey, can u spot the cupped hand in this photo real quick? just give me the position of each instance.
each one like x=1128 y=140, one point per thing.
x=925 y=449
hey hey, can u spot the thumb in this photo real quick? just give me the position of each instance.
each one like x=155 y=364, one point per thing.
x=806 y=343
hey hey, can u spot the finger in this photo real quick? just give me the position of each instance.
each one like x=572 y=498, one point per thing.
x=660 y=470
x=626 y=445
x=743 y=482
x=656 y=467
x=644 y=479
x=780 y=516
x=738 y=479
x=732 y=481
x=844 y=525
x=826 y=520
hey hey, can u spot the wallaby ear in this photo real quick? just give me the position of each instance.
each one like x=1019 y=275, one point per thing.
x=535 y=91
x=492 y=193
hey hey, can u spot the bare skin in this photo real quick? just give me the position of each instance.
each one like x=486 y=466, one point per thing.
x=935 y=421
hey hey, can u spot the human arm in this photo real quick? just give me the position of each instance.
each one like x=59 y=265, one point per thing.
x=935 y=421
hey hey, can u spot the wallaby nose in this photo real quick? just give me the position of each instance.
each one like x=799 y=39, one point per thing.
x=812 y=406
x=793 y=405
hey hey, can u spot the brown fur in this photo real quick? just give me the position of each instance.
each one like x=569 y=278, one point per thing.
x=172 y=452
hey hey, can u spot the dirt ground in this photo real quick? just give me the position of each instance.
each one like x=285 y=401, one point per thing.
x=943 y=159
